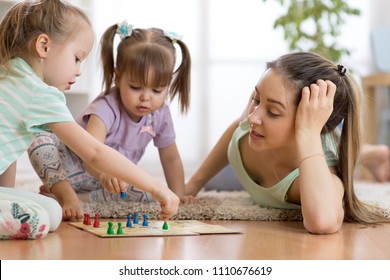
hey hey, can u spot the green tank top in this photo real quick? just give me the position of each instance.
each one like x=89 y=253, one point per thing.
x=274 y=196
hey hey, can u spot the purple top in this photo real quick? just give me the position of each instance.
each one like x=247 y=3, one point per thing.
x=123 y=134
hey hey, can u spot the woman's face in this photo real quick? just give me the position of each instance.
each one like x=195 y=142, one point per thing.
x=271 y=114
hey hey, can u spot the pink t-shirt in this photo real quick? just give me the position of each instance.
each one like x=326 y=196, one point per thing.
x=123 y=134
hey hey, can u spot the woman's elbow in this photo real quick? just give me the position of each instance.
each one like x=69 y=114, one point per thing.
x=323 y=225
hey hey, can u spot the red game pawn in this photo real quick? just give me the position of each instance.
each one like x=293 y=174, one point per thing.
x=96 y=222
x=87 y=219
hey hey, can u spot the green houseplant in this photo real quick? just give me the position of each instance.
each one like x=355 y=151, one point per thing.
x=314 y=25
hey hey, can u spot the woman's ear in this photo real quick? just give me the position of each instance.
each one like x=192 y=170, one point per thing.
x=42 y=45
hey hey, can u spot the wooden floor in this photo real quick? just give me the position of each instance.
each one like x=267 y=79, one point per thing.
x=260 y=240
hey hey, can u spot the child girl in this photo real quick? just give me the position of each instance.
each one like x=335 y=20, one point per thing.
x=285 y=150
x=126 y=117
x=42 y=44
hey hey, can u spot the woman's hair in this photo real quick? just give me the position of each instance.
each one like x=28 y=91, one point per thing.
x=304 y=68
x=144 y=52
x=26 y=20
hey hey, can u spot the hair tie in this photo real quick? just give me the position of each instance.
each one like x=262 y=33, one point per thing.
x=341 y=69
x=173 y=36
x=124 y=29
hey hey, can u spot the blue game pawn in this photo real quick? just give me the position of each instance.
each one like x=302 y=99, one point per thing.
x=129 y=224
x=135 y=220
x=145 y=222
x=123 y=195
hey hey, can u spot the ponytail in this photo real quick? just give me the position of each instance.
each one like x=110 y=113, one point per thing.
x=107 y=57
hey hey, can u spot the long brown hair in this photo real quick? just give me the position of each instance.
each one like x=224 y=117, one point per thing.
x=301 y=69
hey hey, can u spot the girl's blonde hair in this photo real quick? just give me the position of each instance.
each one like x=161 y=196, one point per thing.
x=26 y=20
x=304 y=68
x=148 y=51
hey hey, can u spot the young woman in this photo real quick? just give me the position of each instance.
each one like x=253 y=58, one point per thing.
x=286 y=150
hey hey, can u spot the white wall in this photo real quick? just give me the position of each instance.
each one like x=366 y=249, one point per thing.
x=230 y=41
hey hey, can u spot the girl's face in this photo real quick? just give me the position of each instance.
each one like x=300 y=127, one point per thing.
x=62 y=63
x=139 y=100
x=271 y=114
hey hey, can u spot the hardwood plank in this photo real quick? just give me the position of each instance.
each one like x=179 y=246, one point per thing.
x=260 y=240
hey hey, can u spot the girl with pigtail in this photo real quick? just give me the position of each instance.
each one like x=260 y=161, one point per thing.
x=126 y=116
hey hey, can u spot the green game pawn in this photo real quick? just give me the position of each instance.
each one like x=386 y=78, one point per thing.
x=119 y=231
x=110 y=230
x=165 y=226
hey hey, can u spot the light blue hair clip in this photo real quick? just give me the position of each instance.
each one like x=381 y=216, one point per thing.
x=124 y=29
x=173 y=36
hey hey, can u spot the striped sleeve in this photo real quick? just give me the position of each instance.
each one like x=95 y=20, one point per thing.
x=40 y=104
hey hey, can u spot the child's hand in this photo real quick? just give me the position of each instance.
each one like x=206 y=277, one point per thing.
x=315 y=107
x=111 y=184
x=169 y=202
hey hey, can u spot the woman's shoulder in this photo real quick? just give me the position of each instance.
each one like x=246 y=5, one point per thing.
x=242 y=128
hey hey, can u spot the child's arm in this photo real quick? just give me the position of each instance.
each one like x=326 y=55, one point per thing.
x=107 y=160
x=215 y=162
x=173 y=170
x=96 y=127
x=321 y=191
x=98 y=130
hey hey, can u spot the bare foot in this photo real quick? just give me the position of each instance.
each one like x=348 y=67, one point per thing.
x=67 y=198
x=376 y=159
x=71 y=210
x=43 y=191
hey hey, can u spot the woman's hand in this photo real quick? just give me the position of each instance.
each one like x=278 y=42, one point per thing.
x=315 y=107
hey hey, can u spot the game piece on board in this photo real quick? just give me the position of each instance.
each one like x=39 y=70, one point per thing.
x=119 y=230
x=87 y=219
x=135 y=220
x=129 y=224
x=145 y=222
x=165 y=226
x=123 y=194
x=176 y=228
x=96 y=222
x=110 y=230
